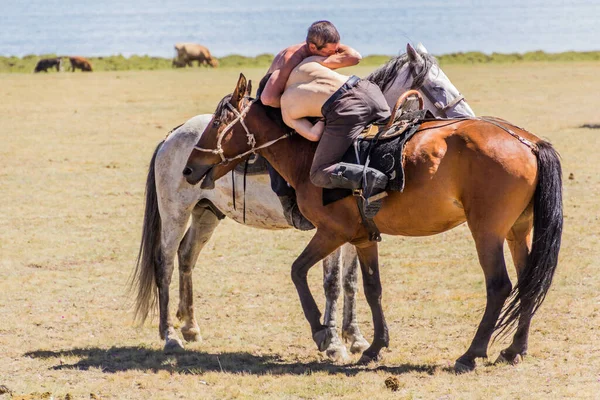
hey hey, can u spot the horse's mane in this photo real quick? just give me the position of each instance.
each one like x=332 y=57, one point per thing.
x=386 y=74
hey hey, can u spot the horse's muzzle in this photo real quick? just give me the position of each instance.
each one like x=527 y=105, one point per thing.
x=193 y=175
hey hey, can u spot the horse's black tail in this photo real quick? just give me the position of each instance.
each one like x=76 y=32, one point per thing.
x=535 y=279
x=149 y=256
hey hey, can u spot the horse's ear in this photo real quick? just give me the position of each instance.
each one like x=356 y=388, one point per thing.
x=413 y=55
x=421 y=49
x=249 y=90
x=239 y=92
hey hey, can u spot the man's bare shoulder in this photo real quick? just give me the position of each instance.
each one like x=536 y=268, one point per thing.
x=295 y=53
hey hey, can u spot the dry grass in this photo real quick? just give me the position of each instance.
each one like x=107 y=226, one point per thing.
x=75 y=150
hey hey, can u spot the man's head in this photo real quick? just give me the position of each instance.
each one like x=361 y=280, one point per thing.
x=322 y=39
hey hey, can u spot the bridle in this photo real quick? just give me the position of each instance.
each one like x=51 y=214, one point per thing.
x=251 y=139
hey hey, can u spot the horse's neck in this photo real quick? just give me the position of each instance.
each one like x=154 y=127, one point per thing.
x=398 y=86
x=291 y=157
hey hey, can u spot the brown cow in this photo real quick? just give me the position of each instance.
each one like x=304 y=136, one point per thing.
x=79 y=62
x=188 y=52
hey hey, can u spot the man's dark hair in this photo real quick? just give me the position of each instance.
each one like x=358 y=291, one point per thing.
x=322 y=33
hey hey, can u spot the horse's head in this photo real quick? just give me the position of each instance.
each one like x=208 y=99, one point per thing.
x=226 y=140
x=418 y=70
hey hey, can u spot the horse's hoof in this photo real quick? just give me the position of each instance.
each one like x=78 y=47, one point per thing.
x=366 y=359
x=323 y=338
x=359 y=345
x=174 y=346
x=503 y=358
x=462 y=366
x=192 y=335
x=337 y=353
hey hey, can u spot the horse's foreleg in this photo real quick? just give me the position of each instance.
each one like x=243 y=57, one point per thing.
x=498 y=287
x=350 y=329
x=336 y=350
x=369 y=264
x=203 y=224
x=519 y=242
x=321 y=245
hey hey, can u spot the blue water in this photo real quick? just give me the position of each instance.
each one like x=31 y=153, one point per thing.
x=251 y=27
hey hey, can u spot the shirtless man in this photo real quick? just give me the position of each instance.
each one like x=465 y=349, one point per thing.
x=322 y=40
x=348 y=104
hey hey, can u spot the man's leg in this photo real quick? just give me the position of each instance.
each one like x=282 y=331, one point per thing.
x=287 y=197
x=328 y=172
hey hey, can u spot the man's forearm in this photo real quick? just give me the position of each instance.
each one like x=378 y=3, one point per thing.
x=270 y=100
x=305 y=128
x=347 y=57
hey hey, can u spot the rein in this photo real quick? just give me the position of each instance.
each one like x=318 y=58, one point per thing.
x=251 y=139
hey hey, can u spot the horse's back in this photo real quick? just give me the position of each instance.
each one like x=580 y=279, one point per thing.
x=457 y=168
x=470 y=146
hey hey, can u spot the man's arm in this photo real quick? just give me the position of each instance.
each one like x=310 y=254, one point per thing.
x=305 y=128
x=346 y=56
x=271 y=95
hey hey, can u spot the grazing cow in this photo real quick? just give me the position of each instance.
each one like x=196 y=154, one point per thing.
x=82 y=63
x=188 y=52
x=46 y=63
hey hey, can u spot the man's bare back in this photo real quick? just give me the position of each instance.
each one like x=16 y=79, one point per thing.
x=309 y=86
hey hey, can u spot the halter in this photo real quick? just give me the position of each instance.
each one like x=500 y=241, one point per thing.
x=251 y=139
x=438 y=104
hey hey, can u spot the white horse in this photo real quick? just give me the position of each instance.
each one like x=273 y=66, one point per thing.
x=180 y=218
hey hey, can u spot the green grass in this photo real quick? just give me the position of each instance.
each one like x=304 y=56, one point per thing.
x=27 y=63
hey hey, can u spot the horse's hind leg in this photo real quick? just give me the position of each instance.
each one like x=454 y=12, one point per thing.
x=204 y=222
x=350 y=329
x=519 y=242
x=336 y=351
x=369 y=265
x=491 y=257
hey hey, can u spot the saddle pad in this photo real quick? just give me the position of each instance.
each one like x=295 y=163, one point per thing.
x=384 y=155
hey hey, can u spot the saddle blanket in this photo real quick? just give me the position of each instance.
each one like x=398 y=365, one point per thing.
x=382 y=152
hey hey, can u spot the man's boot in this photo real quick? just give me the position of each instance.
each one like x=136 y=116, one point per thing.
x=292 y=213
x=351 y=176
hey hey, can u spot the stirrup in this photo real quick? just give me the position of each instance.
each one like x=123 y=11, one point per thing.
x=375 y=197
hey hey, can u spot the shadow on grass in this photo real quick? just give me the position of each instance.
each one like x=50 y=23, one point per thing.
x=117 y=359
x=590 y=126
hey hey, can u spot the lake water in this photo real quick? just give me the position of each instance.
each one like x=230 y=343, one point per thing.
x=251 y=27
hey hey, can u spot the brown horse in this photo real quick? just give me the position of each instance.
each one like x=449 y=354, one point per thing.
x=502 y=180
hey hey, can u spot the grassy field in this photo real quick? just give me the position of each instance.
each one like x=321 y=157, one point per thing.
x=74 y=155
x=27 y=63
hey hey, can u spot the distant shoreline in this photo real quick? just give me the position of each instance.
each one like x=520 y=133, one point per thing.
x=27 y=63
